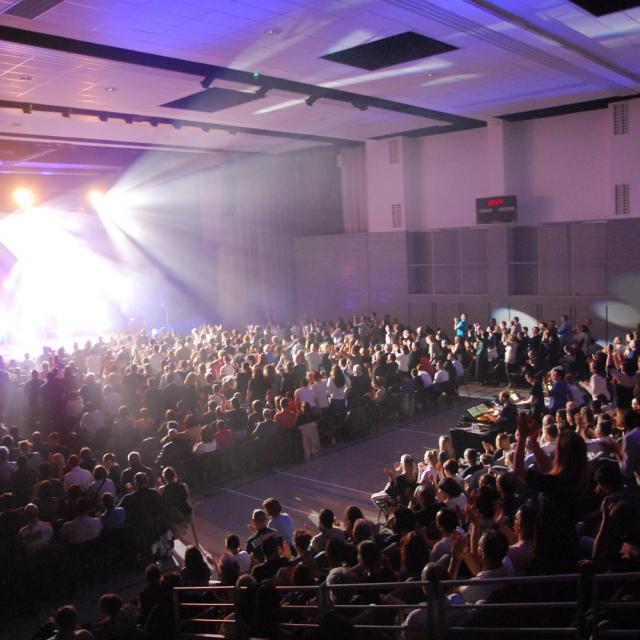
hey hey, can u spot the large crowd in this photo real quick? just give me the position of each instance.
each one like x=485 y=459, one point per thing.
x=95 y=445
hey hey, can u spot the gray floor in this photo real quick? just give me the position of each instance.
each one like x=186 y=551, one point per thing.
x=343 y=476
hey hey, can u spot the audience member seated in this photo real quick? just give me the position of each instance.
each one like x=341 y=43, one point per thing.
x=564 y=493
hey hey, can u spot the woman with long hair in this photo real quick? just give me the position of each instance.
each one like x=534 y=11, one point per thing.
x=428 y=471
x=190 y=392
x=414 y=555
x=445 y=449
x=561 y=486
x=195 y=572
x=337 y=390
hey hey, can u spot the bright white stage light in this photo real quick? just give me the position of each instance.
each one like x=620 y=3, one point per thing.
x=61 y=284
x=24 y=198
x=95 y=197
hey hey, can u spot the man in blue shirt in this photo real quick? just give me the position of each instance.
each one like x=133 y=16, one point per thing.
x=559 y=393
x=565 y=334
x=461 y=326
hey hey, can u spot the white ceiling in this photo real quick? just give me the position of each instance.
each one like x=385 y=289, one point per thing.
x=540 y=53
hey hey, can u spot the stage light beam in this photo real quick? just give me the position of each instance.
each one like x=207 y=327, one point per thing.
x=24 y=198
x=95 y=197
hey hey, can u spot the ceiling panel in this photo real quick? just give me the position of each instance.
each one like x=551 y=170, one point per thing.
x=511 y=57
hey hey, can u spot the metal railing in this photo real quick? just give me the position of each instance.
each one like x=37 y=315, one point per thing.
x=612 y=615
x=579 y=609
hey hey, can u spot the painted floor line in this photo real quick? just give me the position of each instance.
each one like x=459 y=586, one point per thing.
x=328 y=484
x=426 y=433
x=251 y=497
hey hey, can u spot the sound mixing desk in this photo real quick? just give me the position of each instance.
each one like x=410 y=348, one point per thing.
x=479 y=424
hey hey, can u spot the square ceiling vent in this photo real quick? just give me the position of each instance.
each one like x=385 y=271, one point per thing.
x=30 y=8
x=210 y=100
x=605 y=7
x=387 y=52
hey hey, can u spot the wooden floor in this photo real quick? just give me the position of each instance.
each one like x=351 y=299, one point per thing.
x=342 y=476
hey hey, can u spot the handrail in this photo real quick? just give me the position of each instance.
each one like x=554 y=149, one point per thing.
x=616 y=577
x=600 y=606
x=434 y=591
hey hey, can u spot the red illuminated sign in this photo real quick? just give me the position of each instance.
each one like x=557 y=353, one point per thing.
x=496 y=209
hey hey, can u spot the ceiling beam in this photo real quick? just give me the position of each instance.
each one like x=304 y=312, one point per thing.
x=130 y=118
x=523 y=23
x=209 y=71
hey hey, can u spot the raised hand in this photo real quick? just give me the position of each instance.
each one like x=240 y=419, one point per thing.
x=522 y=426
x=458 y=544
x=471 y=513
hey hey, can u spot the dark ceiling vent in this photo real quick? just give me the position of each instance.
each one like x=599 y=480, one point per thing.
x=30 y=8
x=605 y=7
x=390 y=51
x=211 y=100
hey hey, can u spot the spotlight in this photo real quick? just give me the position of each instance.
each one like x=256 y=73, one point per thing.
x=103 y=117
x=311 y=100
x=261 y=92
x=24 y=198
x=360 y=106
x=153 y=122
x=95 y=197
x=176 y=124
x=206 y=129
x=66 y=113
x=26 y=108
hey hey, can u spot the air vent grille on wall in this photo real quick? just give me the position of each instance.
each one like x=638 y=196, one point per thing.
x=623 y=199
x=30 y=8
x=621 y=119
x=394 y=151
x=396 y=216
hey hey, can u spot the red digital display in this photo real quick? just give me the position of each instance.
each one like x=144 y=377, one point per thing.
x=495 y=202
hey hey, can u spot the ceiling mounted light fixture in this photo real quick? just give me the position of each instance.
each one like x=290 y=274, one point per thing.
x=310 y=101
x=27 y=108
x=360 y=106
x=110 y=89
x=26 y=78
x=66 y=113
x=261 y=92
x=272 y=31
x=207 y=81
x=103 y=117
